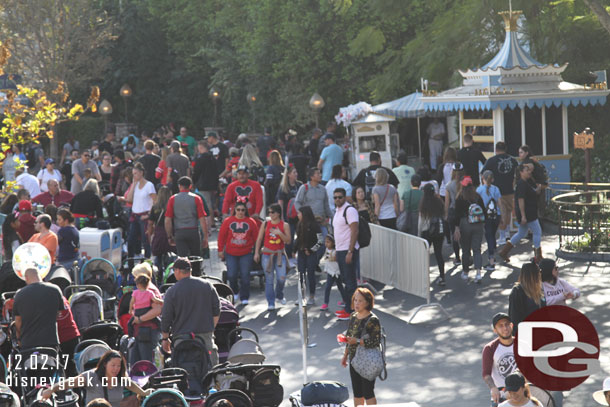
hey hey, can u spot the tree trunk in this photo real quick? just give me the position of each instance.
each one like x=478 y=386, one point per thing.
x=600 y=11
x=54 y=143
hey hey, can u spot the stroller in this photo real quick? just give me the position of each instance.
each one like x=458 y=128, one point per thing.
x=328 y=393
x=259 y=383
x=39 y=367
x=227 y=323
x=108 y=332
x=165 y=398
x=7 y=397
x=123 y=315
x=141 y=371
x=246 y=351
x=191 y=354
x=101 y=272
x=86 y=304
x=59 y=276
x=87 y=353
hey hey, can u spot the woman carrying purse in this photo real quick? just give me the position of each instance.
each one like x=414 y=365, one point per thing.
x=364 y=330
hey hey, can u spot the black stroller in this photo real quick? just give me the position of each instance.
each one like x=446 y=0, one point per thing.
x=102 y=273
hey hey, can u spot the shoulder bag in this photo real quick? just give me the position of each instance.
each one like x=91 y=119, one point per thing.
x=370 y=362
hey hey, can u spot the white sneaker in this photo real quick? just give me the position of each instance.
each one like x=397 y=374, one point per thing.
x=311 y=301
x=464 y=276
x=478 y=277
x=283 y=301
x=292 y=263
x=244 y=302
x=490 y=267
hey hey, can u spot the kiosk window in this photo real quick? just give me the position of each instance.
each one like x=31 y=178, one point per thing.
x=366 y=144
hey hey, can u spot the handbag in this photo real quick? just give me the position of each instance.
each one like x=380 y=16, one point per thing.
x=159 y=244
x=370 y=362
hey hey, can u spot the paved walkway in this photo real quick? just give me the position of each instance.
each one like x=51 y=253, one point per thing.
x=434 y=361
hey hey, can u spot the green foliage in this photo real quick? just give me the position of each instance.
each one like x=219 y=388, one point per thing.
x=85 y=130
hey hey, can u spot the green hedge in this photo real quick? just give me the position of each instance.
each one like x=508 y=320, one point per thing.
x=85 y=130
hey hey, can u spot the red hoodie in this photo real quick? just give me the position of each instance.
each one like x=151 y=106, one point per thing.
x=66 y=327
x=237 y=236
x=251 y=191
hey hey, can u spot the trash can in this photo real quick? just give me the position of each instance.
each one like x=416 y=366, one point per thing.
x=196 y=265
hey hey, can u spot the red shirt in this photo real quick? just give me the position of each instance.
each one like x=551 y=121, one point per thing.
x=232 y=163
x=161 y=172
x=66 y=327
x=271 y=241
x=251 y=191
x=45 y=198
x=26 y=226
x=237 y=236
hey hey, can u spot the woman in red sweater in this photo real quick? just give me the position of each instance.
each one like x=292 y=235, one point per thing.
x=236 y=239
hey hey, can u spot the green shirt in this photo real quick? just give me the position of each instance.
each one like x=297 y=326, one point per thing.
x=411 y=199
x=191 y=143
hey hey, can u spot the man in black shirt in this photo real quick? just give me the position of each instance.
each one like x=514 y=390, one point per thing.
x=150 y=161
x=312 y=148
x=219 y=151
x=205 y=177
x=503 y=167
x=470 y=158
x=106 y=145
x=366 y=176
x=36 y=307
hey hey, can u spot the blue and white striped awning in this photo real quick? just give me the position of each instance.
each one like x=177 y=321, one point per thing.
x=511 y=55
x=438 y=105
x=410 y=107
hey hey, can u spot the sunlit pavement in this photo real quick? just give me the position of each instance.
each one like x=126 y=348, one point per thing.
x=434 y=361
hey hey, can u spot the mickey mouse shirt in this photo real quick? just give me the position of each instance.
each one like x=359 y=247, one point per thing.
x=237 y=236
x=250 y=191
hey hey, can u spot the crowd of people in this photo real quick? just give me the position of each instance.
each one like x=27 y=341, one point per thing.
x=280 y=204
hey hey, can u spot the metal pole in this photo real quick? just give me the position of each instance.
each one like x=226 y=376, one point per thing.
x=418 y=137
x=125 y=103
x=317 y=119
x=302 y=322
x=587 y=168
x=215 y=113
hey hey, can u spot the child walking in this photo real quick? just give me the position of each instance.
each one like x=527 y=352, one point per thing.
x=141 y=302
x=331 y=267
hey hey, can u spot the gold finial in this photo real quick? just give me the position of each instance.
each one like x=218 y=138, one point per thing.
x=510 y=19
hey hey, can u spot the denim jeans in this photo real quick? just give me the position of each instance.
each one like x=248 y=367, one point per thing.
x=491 y=226
x=239 y=267
x=307 y=265
x=137 y=237
x=522 y=232
x=145 y=350
x=348 y=275
x=280 y=274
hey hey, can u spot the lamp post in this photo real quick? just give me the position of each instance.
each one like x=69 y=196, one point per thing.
x=316 y=103
x=215 y=95
x=125 y=93
x=251 y=97
x=105 y=110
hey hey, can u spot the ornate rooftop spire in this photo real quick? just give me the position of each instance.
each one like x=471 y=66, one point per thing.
x=510 y=19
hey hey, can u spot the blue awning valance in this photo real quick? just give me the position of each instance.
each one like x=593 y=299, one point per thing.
x=433 y=105
x=410 y=106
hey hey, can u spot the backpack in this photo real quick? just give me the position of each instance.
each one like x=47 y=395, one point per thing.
x=435 y=230
x=369 y=182
x=291 y=210
x=491 y=209
x=475 y=213
x=364 y=230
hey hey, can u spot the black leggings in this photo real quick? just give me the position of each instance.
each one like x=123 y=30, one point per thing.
x=388 y=223
x=437 y=244
x=360 y=386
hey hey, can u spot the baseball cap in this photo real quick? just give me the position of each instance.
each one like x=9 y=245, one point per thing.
x=457 y=166
x=498 y=317
x=25 y=205
x=175 y=143
x=242 y=168
x=182 y=263
x=466 y=181
x=514 y=381
x=49 y=161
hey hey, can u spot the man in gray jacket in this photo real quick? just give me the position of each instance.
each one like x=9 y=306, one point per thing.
x=191 y=306
x=314 y=194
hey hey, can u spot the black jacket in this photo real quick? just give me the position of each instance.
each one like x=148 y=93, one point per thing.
x=311 y=239
x=205 y=176
x=520 y=306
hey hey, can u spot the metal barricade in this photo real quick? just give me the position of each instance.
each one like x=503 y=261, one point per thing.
x=400 y=260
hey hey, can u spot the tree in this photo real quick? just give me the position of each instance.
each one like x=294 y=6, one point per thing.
x=56 y=42
x=601 y=12
x=25 y=122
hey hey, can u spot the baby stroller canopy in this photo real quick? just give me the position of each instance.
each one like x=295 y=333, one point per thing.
x=141 y=371
x=165 y=398
x=100 y=272
x=89 y=356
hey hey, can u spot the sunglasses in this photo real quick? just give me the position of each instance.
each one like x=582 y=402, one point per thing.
x=86 y=155
x=240 y=209
x=338 y=197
